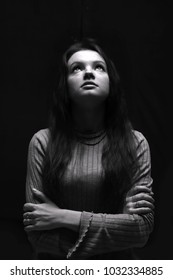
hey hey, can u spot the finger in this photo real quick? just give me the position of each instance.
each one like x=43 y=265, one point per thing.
x=139 y=197
x=30 y=228
x=27 y=222
x=28 y=215
x=34 y=226
x=29 y=207
x=139 y=211
x=40 y=195
x=146 y=197
x=140 y=204
x=144 y=203
x=139 y=189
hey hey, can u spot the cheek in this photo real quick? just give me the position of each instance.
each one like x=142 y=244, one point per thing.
x=71 y=83
x=105 y=84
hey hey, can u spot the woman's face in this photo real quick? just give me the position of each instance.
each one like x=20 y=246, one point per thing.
x=87 y=79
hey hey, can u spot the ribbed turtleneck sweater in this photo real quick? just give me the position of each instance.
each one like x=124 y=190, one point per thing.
x=82 y=189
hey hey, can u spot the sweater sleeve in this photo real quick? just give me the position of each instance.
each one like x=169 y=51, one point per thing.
x=105 y=233
x=57 y=241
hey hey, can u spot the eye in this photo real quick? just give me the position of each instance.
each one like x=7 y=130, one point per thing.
x=76 y=69
x=100 y=67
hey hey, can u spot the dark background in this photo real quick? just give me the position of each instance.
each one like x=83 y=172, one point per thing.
x=136 y=34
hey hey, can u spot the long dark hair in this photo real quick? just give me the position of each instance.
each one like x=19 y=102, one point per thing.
x=119 y=153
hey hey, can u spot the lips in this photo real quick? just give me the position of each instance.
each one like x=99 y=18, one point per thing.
x=89 y=84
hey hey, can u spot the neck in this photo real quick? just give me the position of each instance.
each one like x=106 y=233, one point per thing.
x=88 y=119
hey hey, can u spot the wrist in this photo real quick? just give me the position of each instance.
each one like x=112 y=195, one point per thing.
x=71 y=219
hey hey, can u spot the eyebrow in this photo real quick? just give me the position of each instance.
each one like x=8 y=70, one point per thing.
x=81 y=62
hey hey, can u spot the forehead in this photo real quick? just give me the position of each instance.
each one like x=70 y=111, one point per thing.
x=85 y=56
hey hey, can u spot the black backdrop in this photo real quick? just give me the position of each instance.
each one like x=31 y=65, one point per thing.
x=136 y=34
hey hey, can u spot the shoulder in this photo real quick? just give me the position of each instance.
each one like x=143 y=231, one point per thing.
x=142 y=145
x=39 y=140
x=42 y=135
x=139 y=138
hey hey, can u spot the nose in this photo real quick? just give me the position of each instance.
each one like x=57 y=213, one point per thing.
x=89 y=73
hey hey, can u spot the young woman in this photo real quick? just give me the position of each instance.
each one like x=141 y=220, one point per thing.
x=88 y=188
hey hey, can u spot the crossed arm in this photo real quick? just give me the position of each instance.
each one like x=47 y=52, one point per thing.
x=49 y=227
x=47 y=215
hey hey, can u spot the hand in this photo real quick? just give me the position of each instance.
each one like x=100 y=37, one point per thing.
x=139 y=200
x=43 y=216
